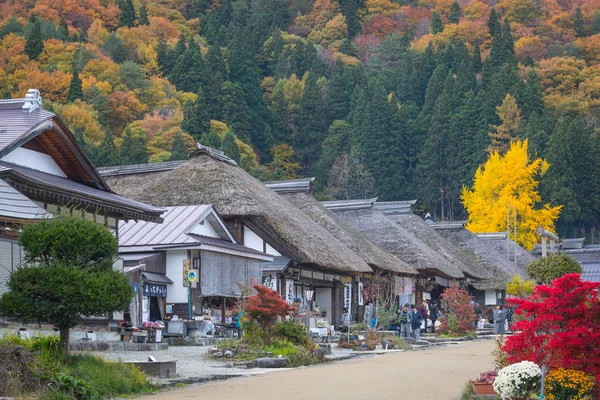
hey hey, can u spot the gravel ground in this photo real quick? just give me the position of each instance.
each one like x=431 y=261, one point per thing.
x=191 y=362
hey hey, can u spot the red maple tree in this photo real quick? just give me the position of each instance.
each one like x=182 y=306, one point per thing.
x=561 y=326
x=460 y=313
x=264 y=307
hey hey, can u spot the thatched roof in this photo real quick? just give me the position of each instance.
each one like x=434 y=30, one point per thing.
x=208 y=179
x=494 y=258
x=470 y=265
x=398 y=241
x=347 y=234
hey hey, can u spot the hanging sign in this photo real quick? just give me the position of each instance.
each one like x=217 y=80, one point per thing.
x=154 y=290
x=361 y=301
x=186 y=268
x=309 y=294
x=192 y=276
x=289 y=291
x=348 y=297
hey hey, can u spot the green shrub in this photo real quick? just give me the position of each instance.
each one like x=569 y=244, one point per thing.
x=296 y=355
x=397 y=342
x=292 y=332
x=468 y=393
x=73 y=387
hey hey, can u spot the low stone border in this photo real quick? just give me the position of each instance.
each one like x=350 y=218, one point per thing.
x=117 y=346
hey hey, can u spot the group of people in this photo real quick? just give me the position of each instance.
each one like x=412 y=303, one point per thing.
x=415 y=317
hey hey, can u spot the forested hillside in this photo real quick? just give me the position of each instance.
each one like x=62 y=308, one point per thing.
x=395 y=99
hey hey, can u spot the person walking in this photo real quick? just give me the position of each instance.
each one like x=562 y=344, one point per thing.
x=405 y=321
x=433 y=314
x=424 y=311
x=417 y=319
x=478 y=313
x=500 y=320
x=346 y=317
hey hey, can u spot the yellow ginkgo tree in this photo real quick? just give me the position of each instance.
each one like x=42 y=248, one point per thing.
x=505 y=182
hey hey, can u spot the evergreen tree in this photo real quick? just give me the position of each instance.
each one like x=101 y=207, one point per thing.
x=195 y=117
x=333 y=146
x=187 y=73
x=115 y=47
x=578 y=23
x=34 y=44
x=532 y=96
x=348 y=48
x=236 y=112
x=230 y=147
x=63 y=31
x=358 y=106
x=108 y=151
x=528 y=61
x=211 y=139
x=127 y=16
x=434 y=90
x=244 y=71
x=312 y=122
x=143 y=19
x=162 y=57
x=455 y=13
x=216 y=74
x=11 y=25
x=133 y=149
x=508 y=45
x=178 y=149
x=349 y=10
x=338 y=93
x=493 y=23
x=476 y=64
x=595 y=28
x=75 y=90
x=508 y=131
x=101 y=103
x=537 y=132
x=436 y=22
x=428 y=65
x=279 y=114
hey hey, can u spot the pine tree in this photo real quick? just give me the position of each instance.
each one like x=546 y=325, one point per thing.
x=595 y=28
x=162 y=57
x=133 y=149
x=508 y=131
x=195 y=117
x=528 y=61
x=455 y=13
x=34 y=44
x=508 y=45
x=358 y=106
x=127 y=16
x=476 y=64
x=75 y=90
x=578 y=23
x=312 y=122
x=211 y=139
x=101 y=103
x=216 y=74
x=143 y=19
x=436 y=22
x=493 y=23
x=178 y=149
x=108 y=151
x=338 y=93
x=236 y=112
x=349 y=10
x=63 y=31
x=115 y=47
x=11 y=25
x=428 y=65
x=187 y=73
x=532 y=97
x=230 y=147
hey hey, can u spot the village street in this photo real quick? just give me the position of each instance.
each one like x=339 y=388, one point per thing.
x=436 y=374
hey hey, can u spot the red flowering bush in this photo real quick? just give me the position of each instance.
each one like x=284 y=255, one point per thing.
x=264 y=307
x=459 y=316
x=560 y=326
x=486 y=377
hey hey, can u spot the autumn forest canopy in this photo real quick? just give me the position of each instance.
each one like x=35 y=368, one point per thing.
x=396 y=99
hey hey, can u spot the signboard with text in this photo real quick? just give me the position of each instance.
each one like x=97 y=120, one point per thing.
x=348 y=296
x=154 y=290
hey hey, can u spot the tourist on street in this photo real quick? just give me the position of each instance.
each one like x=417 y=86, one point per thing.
x=346 y=318
x=238 y=323
x=210 y=323
x=424 y=311
x=500 y=320
x=405 y=321
x=417 y=319
x=433 y=314
x=478 y=313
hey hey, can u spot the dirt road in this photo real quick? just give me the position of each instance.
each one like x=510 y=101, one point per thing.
x=437 y=374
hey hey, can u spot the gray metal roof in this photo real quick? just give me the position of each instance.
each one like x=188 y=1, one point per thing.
x=568 y=244
x=172 y=231
x=395 y=207
x=346 y=205
x=153 y=277
x=591 y=272
x=14 y=204
x=207 y=240
x=446 y=225
x=16 y=124
x=279 y=264
x=291 y=186
x=139 y=168
x=75 y=189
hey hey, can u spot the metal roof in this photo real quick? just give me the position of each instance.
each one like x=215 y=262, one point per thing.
x=153 y=277
x=211 y=241
x=139 y=168
x=395 y=207
x=56 y=183
x=14 y=204
x=16 y=124
x=591 y=272
x=279 y=264
x=177 y=221
x=346 y=205
x=291 y=186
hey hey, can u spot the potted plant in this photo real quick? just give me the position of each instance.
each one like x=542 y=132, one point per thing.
x=484 y=384
x=518 y=380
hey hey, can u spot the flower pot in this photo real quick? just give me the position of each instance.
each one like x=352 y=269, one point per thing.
x=484 y=388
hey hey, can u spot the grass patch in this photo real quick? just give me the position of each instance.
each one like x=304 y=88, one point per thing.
x=38 y=367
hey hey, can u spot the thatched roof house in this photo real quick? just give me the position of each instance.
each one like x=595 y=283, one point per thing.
x=392 y=237
x=491 y=253
x=468 y=264
x=209 y=177
x=298 y=192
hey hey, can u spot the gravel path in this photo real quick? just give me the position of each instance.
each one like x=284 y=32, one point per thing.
x=437 y=373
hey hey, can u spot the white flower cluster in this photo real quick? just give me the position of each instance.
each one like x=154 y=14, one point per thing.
x=517 y=379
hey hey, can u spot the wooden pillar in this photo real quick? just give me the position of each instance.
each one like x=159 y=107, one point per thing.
x=223 y=306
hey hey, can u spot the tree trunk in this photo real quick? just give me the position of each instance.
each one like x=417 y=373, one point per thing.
x=64 y=339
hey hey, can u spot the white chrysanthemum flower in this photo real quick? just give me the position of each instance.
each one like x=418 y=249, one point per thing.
x=516 y=379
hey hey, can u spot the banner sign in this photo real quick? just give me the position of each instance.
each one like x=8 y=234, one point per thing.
x=348 y=297
x=361 y=301
x=309 y=295
x=154 y=290
x=289 y=291
x=270 y=282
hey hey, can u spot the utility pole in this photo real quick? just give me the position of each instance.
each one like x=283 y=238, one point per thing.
x=507 y=231
x=515 y=235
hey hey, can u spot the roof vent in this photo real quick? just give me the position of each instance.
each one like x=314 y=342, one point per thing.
x=33 y=100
